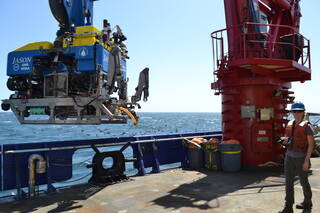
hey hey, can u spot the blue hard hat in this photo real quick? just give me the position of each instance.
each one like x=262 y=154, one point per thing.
x=298 y=106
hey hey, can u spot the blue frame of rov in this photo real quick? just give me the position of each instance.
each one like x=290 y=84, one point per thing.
x=148 y=152
x=87 y=57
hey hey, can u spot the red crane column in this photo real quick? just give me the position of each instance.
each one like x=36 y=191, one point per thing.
x=265 y=54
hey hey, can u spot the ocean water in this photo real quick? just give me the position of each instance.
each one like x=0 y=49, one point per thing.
x=149 y=124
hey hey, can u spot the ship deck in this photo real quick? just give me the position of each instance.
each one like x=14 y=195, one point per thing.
x=176 y=190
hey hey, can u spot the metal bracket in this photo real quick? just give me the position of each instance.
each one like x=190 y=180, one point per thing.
x=114 y=174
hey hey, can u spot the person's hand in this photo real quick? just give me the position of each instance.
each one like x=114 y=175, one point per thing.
x=285 y=139
x=305 y=166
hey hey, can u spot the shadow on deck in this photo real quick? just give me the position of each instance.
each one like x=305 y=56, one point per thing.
x=203 y=193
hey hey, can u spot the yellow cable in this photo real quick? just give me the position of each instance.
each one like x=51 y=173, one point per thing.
x=134 y=120
x=235 y=152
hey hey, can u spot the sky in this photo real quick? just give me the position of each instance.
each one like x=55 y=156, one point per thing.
x=171 y=37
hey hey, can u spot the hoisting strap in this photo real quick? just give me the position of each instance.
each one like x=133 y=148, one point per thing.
x=133 y=119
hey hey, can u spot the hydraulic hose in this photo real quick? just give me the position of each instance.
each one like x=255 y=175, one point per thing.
x=132 y=117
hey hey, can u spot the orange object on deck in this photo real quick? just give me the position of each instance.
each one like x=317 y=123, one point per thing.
x=214 y=140
x=231 y=141
x=196 y=142
x=199 y=140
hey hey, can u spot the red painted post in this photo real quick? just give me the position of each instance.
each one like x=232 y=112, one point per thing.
x=255 y=84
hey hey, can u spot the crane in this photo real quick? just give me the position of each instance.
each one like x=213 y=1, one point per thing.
x=80 y=78
x=256 y=57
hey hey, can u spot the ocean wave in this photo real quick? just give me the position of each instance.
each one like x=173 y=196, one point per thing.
x=6 y=122
x=145 y=117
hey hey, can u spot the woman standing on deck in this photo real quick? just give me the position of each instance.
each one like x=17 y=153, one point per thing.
x=299 y=136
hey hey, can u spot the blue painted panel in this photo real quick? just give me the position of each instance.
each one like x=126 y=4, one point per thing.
x=60 y=161
x=102 y=57
x=21 y=62
x=1 y=188
x=85 y=58
x=60 y=165
x=87 y=62
x=147 y=153
x=89 y=56
x=16 y=165
x=170 y=152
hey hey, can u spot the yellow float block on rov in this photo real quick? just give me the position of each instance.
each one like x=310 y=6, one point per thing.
x=44 y=45
x=86 y=36
x=87 y=29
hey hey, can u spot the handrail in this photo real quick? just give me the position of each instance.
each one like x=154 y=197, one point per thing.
x=258 y=24
x=264 y=47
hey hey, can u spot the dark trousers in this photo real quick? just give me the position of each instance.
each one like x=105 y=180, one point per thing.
x=293 y=167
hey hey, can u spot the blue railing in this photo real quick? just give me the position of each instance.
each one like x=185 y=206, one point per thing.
x=148 y=151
